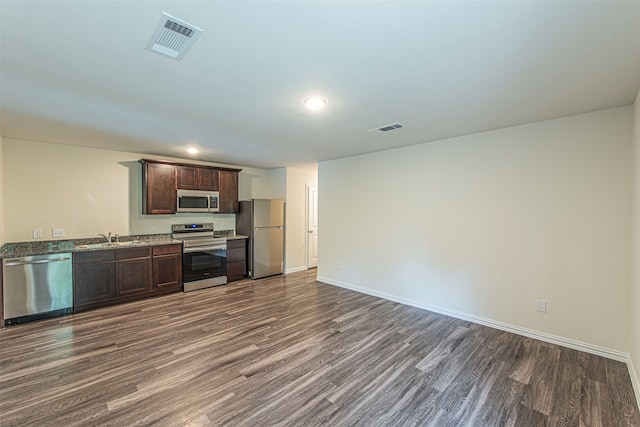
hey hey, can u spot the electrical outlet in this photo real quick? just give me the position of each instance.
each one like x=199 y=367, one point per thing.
x=37 y=233
x=338 y=266
x=541 y=305
x=154 y=228
x=58 y=232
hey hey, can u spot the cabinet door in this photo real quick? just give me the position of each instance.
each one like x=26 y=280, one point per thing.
x=133 y=276
x=236 y=271
x=236 y=259
x=187 y=177
x=236 y=250
x=94 y=282
x=1 y=301
x=208 y=179
x=228 y=192
x=197 y=178
x=159 y=188
x=167 y=271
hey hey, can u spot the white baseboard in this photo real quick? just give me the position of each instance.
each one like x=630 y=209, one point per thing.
x=634 y=380
x=295 y=269
x=542 y=336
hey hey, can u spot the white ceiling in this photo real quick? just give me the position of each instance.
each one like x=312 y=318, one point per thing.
x=77 y=72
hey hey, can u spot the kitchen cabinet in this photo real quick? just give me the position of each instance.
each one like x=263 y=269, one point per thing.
x=113 y=276
x=228 y=191
x=1 y=300
x=197 y=178
x=167 y=268
x=158 y=188
x=94 y=279
x=161 y=180
x=133 y=271
x=236 y=259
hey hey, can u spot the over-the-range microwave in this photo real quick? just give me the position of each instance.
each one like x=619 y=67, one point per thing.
x=198 y=201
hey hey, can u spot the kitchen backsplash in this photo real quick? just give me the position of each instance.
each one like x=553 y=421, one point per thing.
x=158 y=224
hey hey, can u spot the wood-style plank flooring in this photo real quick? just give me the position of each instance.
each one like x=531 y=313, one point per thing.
x=289 y=350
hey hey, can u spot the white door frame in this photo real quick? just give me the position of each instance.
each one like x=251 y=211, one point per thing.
x=312 y=229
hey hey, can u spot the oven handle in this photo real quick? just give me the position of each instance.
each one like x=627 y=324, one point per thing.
x=204 y=248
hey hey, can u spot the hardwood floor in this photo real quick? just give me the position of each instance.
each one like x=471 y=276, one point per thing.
x=289 y=350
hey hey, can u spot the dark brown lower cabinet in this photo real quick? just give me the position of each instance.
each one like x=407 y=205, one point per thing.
x=167 y=268
x=236 y=259
x=94 y=279
x=1 y=300
x=133 y=271
x=109 y=277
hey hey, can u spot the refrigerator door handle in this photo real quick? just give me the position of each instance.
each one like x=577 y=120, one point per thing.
x=279 y=227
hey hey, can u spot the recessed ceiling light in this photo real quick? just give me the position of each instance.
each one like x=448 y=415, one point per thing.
x=315 y=102
x=192 y=150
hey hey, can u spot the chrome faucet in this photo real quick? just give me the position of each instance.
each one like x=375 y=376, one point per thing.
x=107 y=237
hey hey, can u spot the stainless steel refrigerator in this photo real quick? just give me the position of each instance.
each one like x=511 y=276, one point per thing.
x=263 y=221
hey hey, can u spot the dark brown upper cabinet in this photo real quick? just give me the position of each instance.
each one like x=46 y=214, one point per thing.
x=160 y=181
x=197 y=178
x=158 y=188
x=228 y=192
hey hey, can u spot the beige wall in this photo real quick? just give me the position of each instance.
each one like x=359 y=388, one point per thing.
x=296 y=213
x=262 y=184
x=485 y=224
x=635 y=284
x=1 y=192
x=288 y=184
x=89 y=191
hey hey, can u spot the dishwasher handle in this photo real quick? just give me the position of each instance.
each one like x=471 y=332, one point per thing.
x=14 y=262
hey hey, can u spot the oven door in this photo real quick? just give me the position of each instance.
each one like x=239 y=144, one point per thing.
x=204 y=263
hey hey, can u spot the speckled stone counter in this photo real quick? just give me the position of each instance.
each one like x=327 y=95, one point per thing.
x=229 y=234
x=20 y=249
x=237 y=236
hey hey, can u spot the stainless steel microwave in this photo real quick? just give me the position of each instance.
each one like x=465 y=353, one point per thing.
x=198 y=201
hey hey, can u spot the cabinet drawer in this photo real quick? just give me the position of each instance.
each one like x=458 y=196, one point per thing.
x=237 y=254
x=133 y=253
x=167 y=249
x=236 y=243
x=94 y=256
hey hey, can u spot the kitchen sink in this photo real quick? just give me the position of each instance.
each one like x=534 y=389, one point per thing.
x=111 y=245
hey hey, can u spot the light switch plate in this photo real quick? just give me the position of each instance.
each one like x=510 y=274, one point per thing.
x=37 y=233
x=58 y=232
x=541 y=305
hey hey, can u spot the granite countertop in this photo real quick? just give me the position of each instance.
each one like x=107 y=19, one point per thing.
x=20 y=249
x=238 y=236
x=229 y=234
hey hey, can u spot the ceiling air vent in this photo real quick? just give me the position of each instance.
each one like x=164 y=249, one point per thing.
x=173 y=37
x=387 y=128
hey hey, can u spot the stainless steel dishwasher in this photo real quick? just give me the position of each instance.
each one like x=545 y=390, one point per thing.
x=36 y=287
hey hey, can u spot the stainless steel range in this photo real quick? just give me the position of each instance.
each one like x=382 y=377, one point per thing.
x=204 y=257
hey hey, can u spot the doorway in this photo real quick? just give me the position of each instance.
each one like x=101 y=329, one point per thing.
x=312 y=226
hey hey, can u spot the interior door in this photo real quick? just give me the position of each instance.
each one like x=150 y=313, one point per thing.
x=312 y=226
